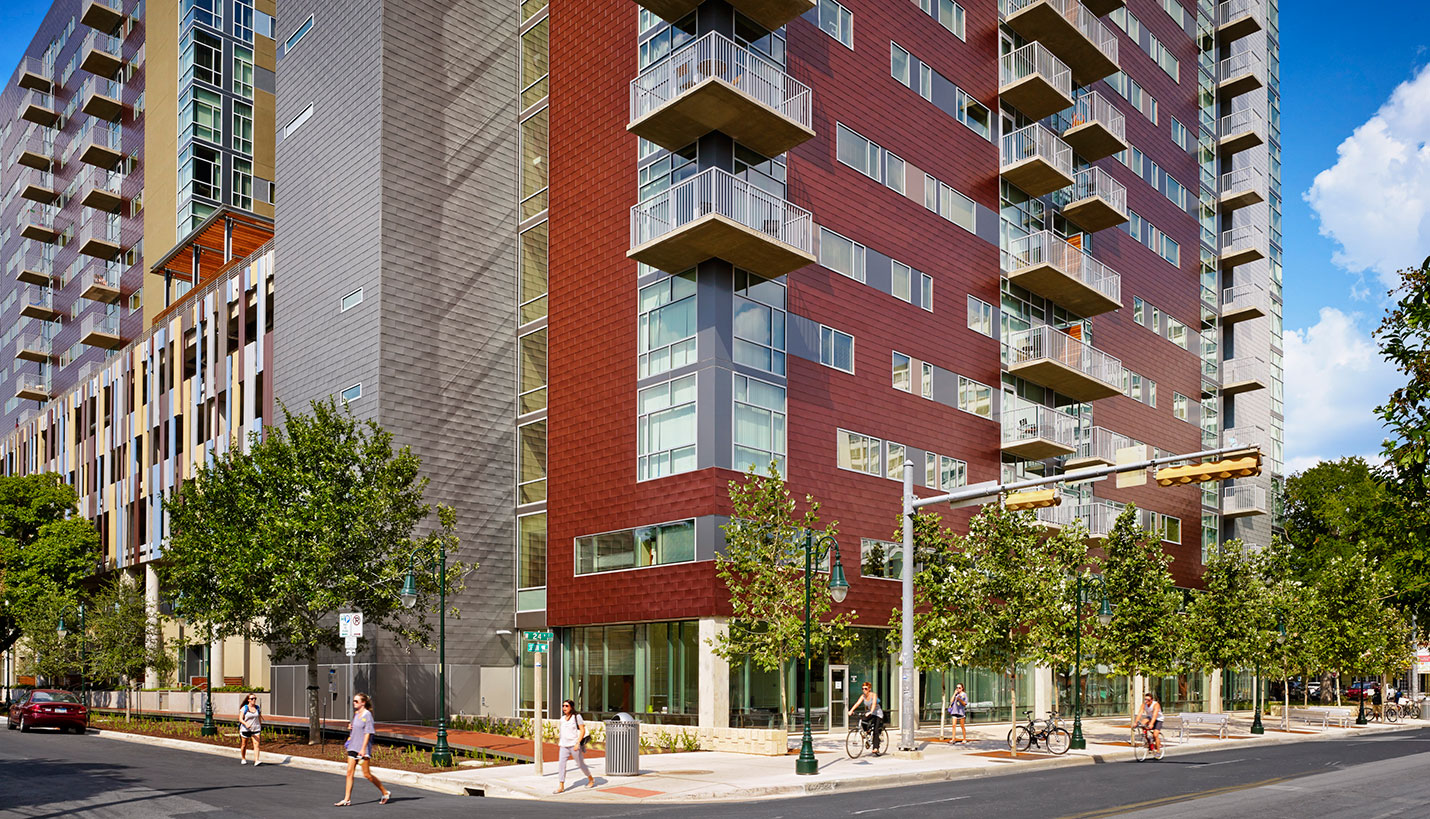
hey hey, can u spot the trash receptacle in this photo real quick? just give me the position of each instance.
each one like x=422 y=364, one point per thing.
x=623 y=746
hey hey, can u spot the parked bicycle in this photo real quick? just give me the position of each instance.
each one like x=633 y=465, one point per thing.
x=1048 y=733
x=1145 y=744
x=861 y=737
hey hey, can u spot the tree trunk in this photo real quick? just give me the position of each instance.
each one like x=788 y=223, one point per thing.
x=943 y=714
x=1013 y=706
x=129 y=701
x=784 y=696
x=1338 y=693
x=315 y=729
x=1306 y=688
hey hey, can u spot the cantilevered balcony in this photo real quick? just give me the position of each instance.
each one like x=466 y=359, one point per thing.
x=99 y=143
x=32 y=386
x=1069 y=30
x=31 y=264
x=1241 y=130
x=713 y=84
x=1237 y=19
x=35 y=148
x=101 y=330
x=101 y=54
x=33 y=345
x=38 y=223
x=38 y=302
x=1241 y=73
x=102 y=98
x=99 y=235
x=1050 y=266
x=1097 y=447
x=33 y=73
x=1242 y=187
x=1035 y=160
x=1056 y=360
x=1097 y=201
x=1035 y=82
x=38 y=107
x=100 y=280
x=1037 y=432
x=1247 y=437
x=103 y=15
x=99 y=189
x=1103 y=8
x=1242 y=245
x=1243 y=303
x=716 y=215
x=1096 y=518
x=770 y=14
x=1098 y=129
x=37 y=185
x=1241 y=500
x=1240 y=375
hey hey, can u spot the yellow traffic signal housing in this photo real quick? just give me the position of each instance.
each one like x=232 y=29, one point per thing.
x=1242 y=466
x=1032 y=499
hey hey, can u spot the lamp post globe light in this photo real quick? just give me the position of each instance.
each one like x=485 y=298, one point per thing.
x=437 y=565
x=61 y=631
x=1104 y=616
x=838 y=589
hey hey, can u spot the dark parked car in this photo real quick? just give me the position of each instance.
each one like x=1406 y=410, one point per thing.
x=49 y=708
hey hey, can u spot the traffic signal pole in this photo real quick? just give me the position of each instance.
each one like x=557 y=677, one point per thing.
x=991 y=490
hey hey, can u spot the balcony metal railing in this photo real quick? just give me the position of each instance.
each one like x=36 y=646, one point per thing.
x=101 y=41
x=714 y=56
x=1246 y=119
x=1094 y=181
x=98 y=227
x=33 y=256
x=102 y=86
x=1246 y=237
x=1242 y=297
x=1101 y=444
x=38 y=107
x=98 y=134
x=94 y=177
x=1037 y=142
x=32 y=68
x=1032 y=59
x=36 y=140
x=33 y=342
x=102 y=323
x=1242 y=500
x=714 y=192
x=1046 y=247
x=1094 y=107
x=1099 y=518
x=1250 y=178
x=37 y=184
x=1245 y=436
x=32 y=383
x=41 y=215
x=1029 y=422
x=1078 y=15
x=1047 y=342
x=38 y=297
x=1241 y=370
x=1230 y=10
x=1247 y=62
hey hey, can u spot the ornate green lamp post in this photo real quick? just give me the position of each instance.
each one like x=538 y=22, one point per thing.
x=838 y=589
x=436 y=563
x=1104 y=616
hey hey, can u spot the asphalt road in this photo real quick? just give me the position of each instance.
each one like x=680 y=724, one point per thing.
x=44 y=774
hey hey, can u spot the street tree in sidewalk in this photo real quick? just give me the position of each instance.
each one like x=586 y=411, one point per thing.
x=1010 y=589
x=119 y=646
x=42 y=651
x=1350 y=616
x=271 y=541
x=1229 y=620
x=46 y=550
x=1293 y=607
x=763 y=570
x=1145 y=634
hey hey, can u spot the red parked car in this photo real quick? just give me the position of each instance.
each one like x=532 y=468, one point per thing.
x=49 y=708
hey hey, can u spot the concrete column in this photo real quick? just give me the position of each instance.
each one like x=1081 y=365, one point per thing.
x=151 y=605
x=714 y=691
x=1042 y=691
x=1214 y=702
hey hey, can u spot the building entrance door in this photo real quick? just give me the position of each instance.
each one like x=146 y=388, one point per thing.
x=838 y=699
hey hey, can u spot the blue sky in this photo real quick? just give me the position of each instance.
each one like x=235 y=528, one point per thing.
x=1340 y=67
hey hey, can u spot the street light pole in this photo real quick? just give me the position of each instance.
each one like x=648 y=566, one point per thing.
x=442 y=753
x=1256 y=726
x=838 y=588
x=1078 y=741
x=908 y=712
x=209 y=729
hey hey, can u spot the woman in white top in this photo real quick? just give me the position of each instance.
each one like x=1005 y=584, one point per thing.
x=250 y=723
x=573 y=745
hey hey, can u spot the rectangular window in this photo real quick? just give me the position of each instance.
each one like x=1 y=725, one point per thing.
x=901 y=281
x=636 y=548
x=1181 y=407
x=975 y=397
x=880 y=558
x=298 y=35
x=243 y=127
x=201 y=115
x=666 y=331
x=759 y=424
x=200 y=58
x=860 y=153
x=531 y=372
x=759 y=335
x=860 y=453
x=199 y=173
x=926 y=291
x=843 y=256
x=243 y=72
x=955 y=207
x=980 y=316
x=350 y=301
x=894 y=463
x=243 y=20
x=952 y=473
x=297 y=122
x=899 y=64
x=1177 y=332
x=531 y=286
x=207 y=12
x=352 y=393
x=665 y=429
x=1171 y=251
x=926 y=379
x=836 y=21
x=974 y=114
x=242 y=195
x=836 y=349
x=531 y=551
x=948 y=13
x=1139 y=310
x=531 y=462
x=903 y=372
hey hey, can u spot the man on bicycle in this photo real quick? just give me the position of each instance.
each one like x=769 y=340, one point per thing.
x=873 y=718
x=1151 y=716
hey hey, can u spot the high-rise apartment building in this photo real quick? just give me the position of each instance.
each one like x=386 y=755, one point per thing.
x=593 y=260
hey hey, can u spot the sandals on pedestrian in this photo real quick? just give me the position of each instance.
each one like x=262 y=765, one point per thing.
x=343 y=804
x=386 y=795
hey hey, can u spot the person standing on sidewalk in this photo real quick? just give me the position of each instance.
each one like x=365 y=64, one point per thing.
x=959 y=710
x=359 y=747
x=573 y=745
x=250 y=722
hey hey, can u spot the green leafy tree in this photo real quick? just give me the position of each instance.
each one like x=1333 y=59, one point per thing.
x=1332 y=509
x=1292 y=604
x=321 y=516
x=763 y=569
x=1351 y=616
x=1229 y=619
x=119 y=644
x=1144 y=636
x=46 y=550
x=43 y=651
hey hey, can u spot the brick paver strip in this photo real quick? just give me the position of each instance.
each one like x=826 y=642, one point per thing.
x=639 y=793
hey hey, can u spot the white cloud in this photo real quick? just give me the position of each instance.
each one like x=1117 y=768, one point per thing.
x=1335 y=378
x=1375 y=201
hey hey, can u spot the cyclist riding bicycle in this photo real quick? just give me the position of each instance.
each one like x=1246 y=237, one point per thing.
x=873 y=718
x=1151 y=716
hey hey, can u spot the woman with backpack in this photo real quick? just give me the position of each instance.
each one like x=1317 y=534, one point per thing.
x=250 y=723
x=959 y=710
x=573 y=745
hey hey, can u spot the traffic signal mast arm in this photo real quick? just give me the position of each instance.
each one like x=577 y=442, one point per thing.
x=1249 y=463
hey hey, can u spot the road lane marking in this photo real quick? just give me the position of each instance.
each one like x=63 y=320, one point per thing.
x=1170 y=800
x=909 y=805
x=1223 y=762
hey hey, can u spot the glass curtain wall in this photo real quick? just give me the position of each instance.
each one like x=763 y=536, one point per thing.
x=648 y=670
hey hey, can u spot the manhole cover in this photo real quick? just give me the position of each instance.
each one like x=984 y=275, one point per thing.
x=686 y=773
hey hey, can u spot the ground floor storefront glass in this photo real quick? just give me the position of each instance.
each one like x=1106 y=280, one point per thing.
x=836 y=678
x=1104 y=694
x=648 y=670
x=1237 y=690
x=1180 y=693
x=989 y=692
